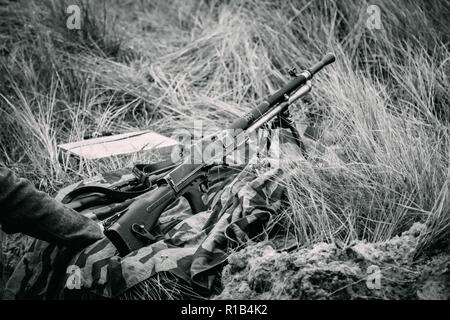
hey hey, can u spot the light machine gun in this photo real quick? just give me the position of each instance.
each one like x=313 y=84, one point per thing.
x=132 y=226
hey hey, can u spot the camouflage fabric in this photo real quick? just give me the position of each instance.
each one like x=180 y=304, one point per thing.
x=191 y=247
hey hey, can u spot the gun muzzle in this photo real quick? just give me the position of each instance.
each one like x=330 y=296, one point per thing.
x=326 y=60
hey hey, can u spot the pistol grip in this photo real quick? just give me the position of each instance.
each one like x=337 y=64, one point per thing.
x=194 y=196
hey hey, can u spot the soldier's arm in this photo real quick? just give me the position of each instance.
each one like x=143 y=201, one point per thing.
x=25 y=209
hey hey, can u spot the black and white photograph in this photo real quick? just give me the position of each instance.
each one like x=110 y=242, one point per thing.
x=226 y=155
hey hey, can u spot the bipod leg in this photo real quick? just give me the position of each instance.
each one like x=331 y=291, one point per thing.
x=283 y=121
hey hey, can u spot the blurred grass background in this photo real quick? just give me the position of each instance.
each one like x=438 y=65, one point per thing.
x=382 y=160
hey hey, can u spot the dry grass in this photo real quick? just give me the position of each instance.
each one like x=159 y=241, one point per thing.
x=383 y=156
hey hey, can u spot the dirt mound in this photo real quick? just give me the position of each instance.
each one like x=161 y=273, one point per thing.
x=383 y=270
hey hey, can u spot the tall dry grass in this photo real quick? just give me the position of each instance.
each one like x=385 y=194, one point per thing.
x=382 y=156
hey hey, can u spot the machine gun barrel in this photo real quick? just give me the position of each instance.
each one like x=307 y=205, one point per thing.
x=245 y=121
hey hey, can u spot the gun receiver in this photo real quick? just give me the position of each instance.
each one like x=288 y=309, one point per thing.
x=131 y=230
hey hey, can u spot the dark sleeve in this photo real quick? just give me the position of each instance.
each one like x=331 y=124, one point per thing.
x=25 y=209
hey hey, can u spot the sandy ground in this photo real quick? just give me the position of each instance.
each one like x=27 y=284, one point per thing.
x=383 y=270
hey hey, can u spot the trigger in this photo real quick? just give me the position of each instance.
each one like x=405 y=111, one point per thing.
x=139 y=229
x=203 y=187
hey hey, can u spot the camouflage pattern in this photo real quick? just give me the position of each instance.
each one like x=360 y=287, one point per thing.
x=191 y=247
